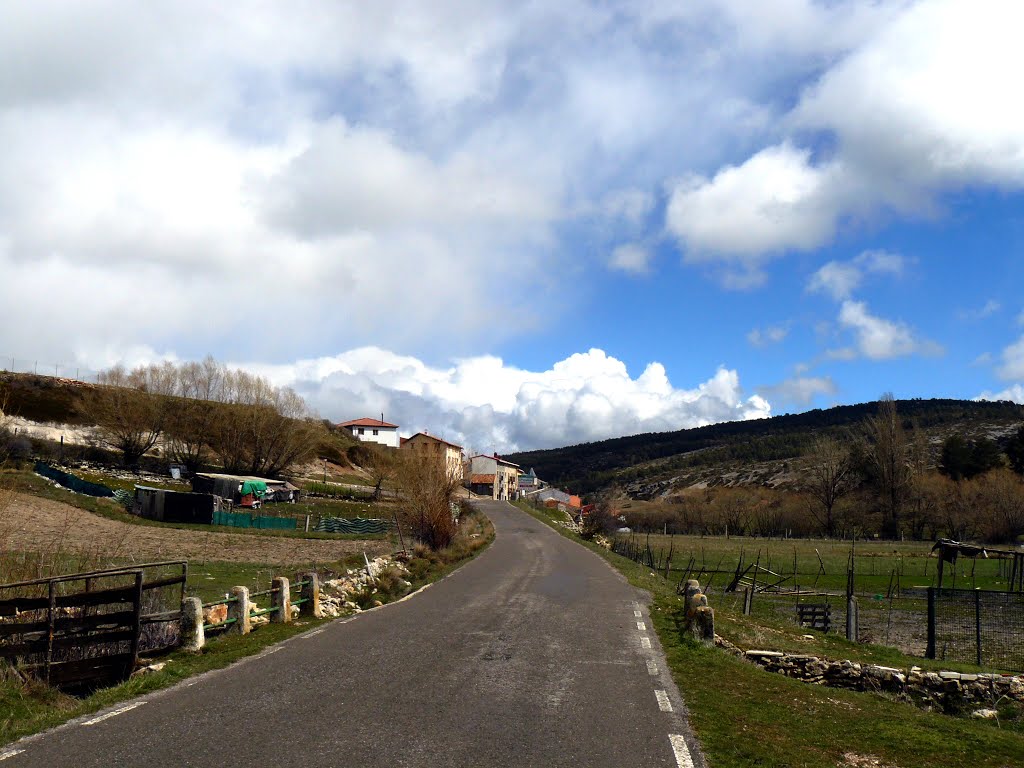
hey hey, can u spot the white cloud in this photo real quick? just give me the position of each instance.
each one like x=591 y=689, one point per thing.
x=800 y=390
x=1012 y=361
x=773 y=202
x=487 y=404
x=840 y=279
x=918 y=106
x=631 y=257
x=772 y=334
x=878 y=338
x=1014 y=393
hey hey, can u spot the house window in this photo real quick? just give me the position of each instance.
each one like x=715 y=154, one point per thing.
x=362 y=431
x=375 y=433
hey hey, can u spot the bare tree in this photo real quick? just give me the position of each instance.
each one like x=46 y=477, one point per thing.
x=427 y=491
x=382 y=466
x=888 y=463
x=127 y=420
x=830 y=477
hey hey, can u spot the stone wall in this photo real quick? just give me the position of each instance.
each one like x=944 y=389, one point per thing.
x=951 y=692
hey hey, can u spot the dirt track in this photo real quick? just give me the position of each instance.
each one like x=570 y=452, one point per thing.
x=33 y=524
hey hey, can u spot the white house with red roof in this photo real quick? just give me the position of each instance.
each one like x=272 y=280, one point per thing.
x=372 y=431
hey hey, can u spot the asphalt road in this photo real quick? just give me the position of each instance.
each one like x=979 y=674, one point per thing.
x=533 y=654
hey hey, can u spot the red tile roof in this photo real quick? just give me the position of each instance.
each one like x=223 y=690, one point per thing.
x=367 y=423
x=430 y=437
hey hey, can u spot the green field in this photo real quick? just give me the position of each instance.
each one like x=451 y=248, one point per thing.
x=821 y=564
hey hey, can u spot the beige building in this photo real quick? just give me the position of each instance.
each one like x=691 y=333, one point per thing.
x=493 y=476
x=448 y=454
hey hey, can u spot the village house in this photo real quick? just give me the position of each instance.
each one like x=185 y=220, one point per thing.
x=553 y=498
x=372 y=431
x=529 y=481
x=448 y=454
x=493 y=476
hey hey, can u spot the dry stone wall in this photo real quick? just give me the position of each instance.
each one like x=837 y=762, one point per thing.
x=952 y=692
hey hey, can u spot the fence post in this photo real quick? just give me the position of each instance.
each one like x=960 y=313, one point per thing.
x=311 y=594
x=748 y=601
x=929 y=652
x=977 y=623
x=281 y=600
x=239 y=611
x=136 y=623
x=851 y=619
x=51 y=609
x=193 y=638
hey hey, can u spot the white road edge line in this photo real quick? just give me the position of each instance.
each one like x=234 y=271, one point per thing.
x=311 y=634
x=663 y=703
x=641 y=626
x=10 y=753
x=652 y=668
x=114 y=713
x=645 y=642
x=681 y=751
x=638 y=614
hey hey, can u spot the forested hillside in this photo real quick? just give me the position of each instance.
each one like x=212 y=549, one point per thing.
x=590 y=466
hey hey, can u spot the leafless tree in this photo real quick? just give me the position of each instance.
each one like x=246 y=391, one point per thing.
x=427 y=491
x=888 y=463
x=830 y=477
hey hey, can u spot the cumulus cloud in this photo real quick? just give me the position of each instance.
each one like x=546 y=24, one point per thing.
x=486 y=404
x=1014 y=393
x=774 y=201
x=904 y=122
x=878 y=338
x=772 y=334
x=839 y=279
x=1012 y=361
x=631 y=257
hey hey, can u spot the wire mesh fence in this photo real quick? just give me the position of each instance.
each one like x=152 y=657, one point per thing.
x=983 y=627
x=14 y=364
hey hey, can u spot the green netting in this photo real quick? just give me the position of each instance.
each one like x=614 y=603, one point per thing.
x=247 y=520
x=359 y=525
x=71 y=482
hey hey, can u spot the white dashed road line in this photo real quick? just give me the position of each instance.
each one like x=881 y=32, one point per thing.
x=641 y=626
x=10 y=753
x=113 y=713
x=638 y=614
x=652 y=668
x=681 y=751
x=663 y=703
x=645 y=642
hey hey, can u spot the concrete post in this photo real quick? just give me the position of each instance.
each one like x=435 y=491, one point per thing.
x=281 y=600
x=311 y=594
x=239 y=611
x=192 y=636
x=700 y=618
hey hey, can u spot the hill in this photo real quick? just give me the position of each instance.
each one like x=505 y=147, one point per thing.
x=759 y=451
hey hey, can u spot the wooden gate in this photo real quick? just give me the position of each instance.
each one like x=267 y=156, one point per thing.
x=83 y=628
x=815 y=615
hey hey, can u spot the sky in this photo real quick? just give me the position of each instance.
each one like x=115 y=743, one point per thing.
x=521 y=225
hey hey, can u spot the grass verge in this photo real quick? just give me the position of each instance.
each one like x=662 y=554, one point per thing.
x=744 y=716
x=27 y=707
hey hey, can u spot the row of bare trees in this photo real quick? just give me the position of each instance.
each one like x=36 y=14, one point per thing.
x=202 y=411
x=880 y=479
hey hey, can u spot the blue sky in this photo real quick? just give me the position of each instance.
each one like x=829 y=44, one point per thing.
x=522 y=226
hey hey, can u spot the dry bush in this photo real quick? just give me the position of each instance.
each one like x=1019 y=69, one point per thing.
x=426 y=494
